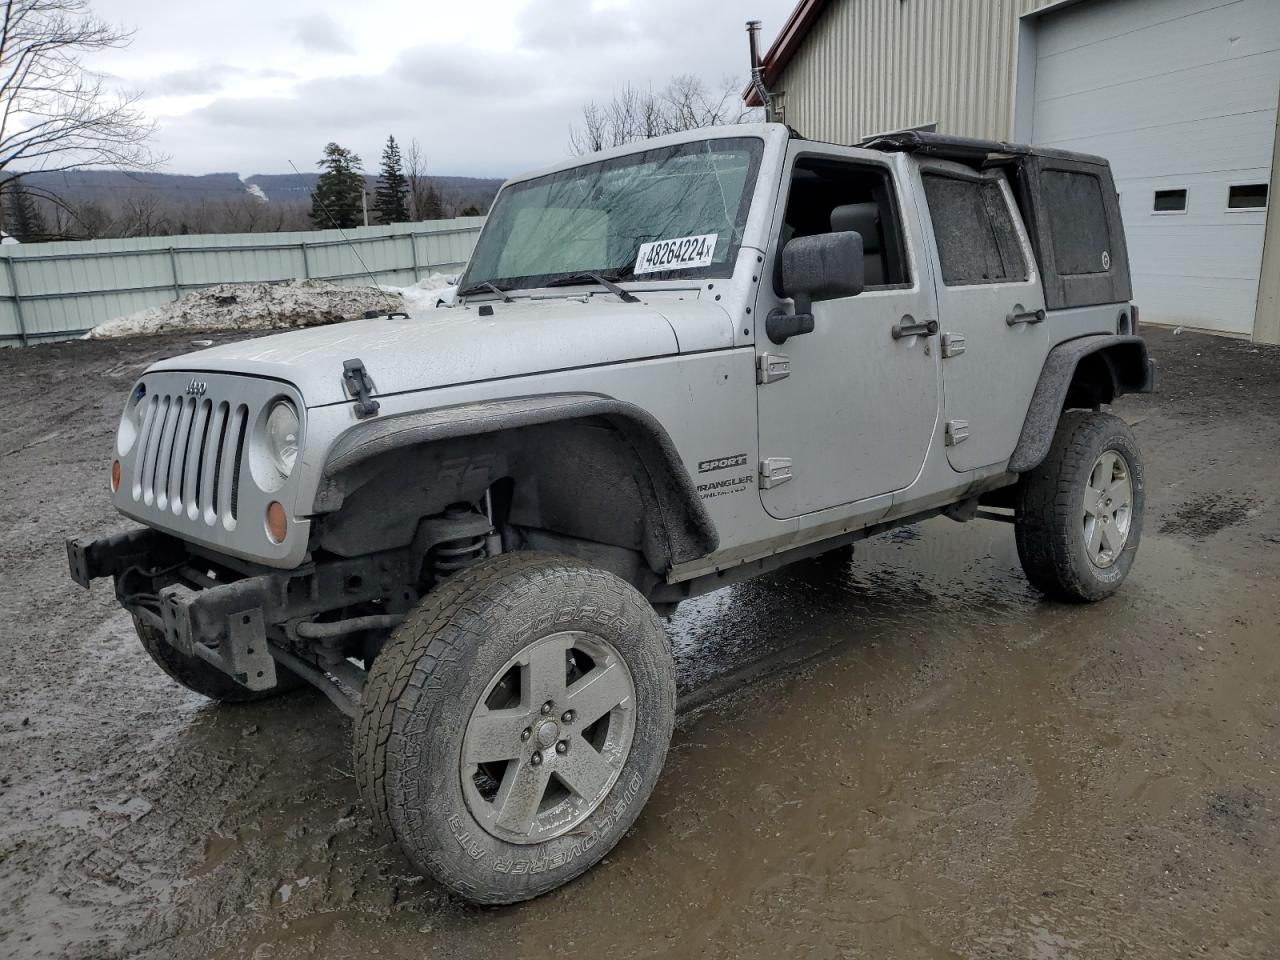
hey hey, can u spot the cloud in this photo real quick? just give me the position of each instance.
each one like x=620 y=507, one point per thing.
x=489 y=87
x=468 y=72
x=209 y=78
x=320 y=33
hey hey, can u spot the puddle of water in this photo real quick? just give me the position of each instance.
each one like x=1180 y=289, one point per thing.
x=1203 y=516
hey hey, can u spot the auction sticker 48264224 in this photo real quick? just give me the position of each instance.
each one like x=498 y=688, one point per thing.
x=678 y=253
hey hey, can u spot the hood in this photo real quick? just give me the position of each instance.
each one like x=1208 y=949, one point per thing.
x=438 y=348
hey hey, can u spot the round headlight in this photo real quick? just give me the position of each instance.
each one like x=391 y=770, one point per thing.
x=282 y=436
x=131 y=420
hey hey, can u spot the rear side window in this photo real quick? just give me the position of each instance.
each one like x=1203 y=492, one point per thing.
x=977 y=237
x=1077 y=220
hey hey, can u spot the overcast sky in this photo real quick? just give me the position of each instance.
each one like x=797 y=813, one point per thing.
x=489 y=87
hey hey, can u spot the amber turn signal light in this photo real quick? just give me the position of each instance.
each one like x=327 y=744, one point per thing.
x=115 y=476
x=277 y=522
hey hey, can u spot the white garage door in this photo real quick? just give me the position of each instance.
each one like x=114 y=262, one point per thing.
x=1180 y=96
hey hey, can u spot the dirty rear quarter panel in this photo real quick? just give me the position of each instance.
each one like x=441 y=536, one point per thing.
x=1082 y=321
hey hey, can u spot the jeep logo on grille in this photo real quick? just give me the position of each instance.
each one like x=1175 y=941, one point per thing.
x=197 y=388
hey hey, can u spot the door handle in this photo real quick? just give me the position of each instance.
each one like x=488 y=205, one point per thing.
x=1020 y=315
x=909 y=326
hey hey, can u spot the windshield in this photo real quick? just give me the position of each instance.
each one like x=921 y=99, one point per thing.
x=666 y=213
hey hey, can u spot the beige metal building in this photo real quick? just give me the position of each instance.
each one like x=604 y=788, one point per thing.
x=1180 y=95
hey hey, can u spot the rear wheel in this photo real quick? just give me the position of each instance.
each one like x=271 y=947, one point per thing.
x=204 y=678
x=1079 y=513
x=516 y=724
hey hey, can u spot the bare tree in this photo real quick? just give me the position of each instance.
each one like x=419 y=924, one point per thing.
x=55 y=114
x=87 y=220
x=143 y=214
x=425 y=202
x=632 y=114
x=689 y=104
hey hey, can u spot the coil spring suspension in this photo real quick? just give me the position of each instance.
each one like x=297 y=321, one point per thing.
x=453 y=555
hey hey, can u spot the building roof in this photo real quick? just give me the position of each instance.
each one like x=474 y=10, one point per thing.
x=789 y=39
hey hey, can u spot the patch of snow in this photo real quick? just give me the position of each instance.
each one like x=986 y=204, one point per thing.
x=253 y=306
x=256 y=192
x=428 y=292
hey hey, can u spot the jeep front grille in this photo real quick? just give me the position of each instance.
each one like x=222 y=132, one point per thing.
x=189 y=458
x=191 y=463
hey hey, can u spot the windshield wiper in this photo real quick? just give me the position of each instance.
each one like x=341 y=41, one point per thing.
x=486 y=285
x=609 y=284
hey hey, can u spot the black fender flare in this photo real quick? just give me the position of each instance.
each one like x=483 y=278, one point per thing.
x=1131 y=370
x=691 y=533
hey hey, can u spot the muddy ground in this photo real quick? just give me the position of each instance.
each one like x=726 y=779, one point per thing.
x=919 y=758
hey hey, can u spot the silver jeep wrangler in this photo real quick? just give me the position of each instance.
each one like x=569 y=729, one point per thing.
x=669 y=367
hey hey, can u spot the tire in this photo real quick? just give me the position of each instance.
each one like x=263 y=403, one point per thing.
x=1069 y=516
x=204 y=678
x=446 y=678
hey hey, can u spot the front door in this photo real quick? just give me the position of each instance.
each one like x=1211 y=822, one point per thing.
x=854 y=416
x=992 y=310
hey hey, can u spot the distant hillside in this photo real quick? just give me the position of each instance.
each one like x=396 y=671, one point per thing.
x=108 y=186
x=457 y=191
x=102 y=185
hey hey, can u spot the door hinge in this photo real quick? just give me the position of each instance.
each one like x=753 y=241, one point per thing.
x=771 y=367
x=773 y=471
x=957 y=432
x=952 y=345
x=359 y=386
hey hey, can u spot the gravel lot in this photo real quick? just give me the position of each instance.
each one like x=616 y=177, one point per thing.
x=918 y=758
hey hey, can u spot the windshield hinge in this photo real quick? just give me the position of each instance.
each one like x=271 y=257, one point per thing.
x=771 y=367
x=359 y=386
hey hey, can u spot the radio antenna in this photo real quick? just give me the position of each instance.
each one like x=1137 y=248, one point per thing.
x=345 y=238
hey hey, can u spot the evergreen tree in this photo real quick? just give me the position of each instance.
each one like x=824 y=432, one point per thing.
x=335 y=201
x=430 y=204
x=390 y=196
x=22 y=216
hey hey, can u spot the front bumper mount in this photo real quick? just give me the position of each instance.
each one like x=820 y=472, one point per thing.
x=240 y=621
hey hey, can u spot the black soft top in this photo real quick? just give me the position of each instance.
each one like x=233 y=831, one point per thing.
x=970 y=151
x=1067 y=200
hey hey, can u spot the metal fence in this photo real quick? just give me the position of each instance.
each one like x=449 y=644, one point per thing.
x=56 y=290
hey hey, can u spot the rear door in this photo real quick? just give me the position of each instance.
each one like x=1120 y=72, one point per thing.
x=991 y=310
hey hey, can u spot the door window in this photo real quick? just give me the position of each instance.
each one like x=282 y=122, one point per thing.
x=976 y=233
x=829 y=196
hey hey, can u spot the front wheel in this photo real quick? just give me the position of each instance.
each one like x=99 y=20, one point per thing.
x=516 y=724
x=1079 y=513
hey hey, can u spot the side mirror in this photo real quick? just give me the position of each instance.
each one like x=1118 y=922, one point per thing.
x=825 y=265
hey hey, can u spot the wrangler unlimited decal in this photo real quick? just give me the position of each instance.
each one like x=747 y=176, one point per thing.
x=719 y=488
